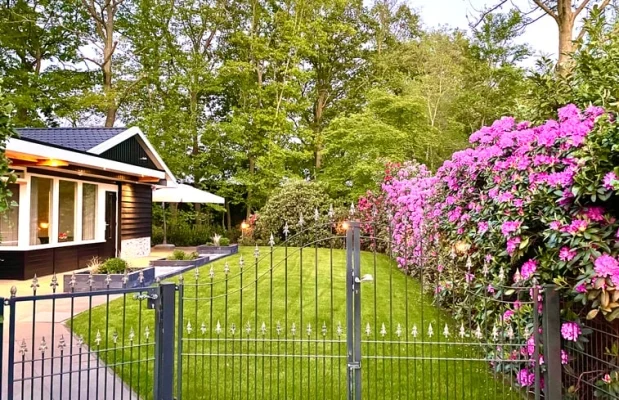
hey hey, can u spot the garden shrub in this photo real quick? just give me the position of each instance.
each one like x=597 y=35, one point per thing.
x=183 y=234
x=523 y=206
x=113 y=266
x=224 y=241
x=286 y=206
x=180 y=255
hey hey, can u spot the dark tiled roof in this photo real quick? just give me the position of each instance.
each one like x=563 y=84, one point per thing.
x=81 y=139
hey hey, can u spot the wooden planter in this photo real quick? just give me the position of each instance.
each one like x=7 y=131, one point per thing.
x=98 y=280
x=196 y=262
x=208 y=249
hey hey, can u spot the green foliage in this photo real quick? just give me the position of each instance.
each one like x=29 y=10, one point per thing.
x=224 y=241
x=183 y=234
x=113 y=266
x=286 y=205
x=180 y=255
x=6 y=131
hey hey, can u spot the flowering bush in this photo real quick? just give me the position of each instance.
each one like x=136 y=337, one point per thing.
x=525 y=205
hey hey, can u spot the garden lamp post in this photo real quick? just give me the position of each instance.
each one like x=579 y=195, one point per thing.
x=244 y=226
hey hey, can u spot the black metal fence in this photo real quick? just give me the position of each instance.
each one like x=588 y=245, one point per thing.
x=322 y=319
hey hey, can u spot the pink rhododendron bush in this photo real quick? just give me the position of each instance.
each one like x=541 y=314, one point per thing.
x=523 y=206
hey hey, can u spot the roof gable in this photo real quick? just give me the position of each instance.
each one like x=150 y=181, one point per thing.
x=81 y=139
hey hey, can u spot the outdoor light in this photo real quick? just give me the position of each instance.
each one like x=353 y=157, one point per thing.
x=345 y=226
x=52 y=163
x=462 y=247
x=44 y=225
x=244 y=225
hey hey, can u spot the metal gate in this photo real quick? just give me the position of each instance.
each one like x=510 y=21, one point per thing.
x=323 y=315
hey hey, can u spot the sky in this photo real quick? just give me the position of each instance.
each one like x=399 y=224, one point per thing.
x=542 y=35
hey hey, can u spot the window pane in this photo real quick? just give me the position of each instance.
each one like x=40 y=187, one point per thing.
x=66 y=209
x=89 y=211
x=40 y=210
x=9 y=219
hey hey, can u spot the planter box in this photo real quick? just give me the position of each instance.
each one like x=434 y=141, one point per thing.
x=81 y=280
x=197 y=262
x=207 y=249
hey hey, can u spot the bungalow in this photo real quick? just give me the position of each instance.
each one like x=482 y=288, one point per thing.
x=80 y=193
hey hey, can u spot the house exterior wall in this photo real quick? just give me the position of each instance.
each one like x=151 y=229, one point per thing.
x=136 y=202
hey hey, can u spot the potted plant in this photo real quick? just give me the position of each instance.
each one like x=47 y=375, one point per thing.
x=113 y=273
x=218 y=245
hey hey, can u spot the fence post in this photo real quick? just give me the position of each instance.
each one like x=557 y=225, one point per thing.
x=1 y=345
x=350 y=283
x=164 y=341
x=551 y=329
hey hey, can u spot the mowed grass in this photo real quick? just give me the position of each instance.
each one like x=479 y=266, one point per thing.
x=271 y=332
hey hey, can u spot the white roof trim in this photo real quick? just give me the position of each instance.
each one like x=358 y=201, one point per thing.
x=76 y=158
x=135 y=131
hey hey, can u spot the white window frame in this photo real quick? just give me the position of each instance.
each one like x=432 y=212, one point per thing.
x=24 y=213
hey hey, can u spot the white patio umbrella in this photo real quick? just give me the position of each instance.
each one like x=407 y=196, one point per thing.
x=182 y=194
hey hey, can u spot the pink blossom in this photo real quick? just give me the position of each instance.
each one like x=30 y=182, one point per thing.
x=607 y=266
x=440 y=268
x=507 y=315
x=482 y=226
x=564 y=357
x=555 y=225
x=517 y=305
x=528 y=269
x=512 y=245
x=607 y=378
x=468 y=277
x=581 y=288
x=595 y=213
x=566 y=254
x=578 y=225
x=509 y=227
x=610 y=179
x=525 y=377
x=490 y=289
x=570 y=331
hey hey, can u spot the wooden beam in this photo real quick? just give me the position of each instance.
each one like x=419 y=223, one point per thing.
x=149 y=179
x=20 y=156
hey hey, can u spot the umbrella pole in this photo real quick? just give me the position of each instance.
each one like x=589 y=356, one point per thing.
x=165 y=228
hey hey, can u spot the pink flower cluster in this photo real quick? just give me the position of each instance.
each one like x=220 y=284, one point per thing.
x=570 y=331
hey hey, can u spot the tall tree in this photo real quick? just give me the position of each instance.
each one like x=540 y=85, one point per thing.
x=38 y=51
x=565 y=14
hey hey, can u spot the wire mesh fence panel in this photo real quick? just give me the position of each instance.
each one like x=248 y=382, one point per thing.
x=269 y=324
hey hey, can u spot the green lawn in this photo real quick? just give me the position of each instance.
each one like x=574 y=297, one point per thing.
x=263 y=364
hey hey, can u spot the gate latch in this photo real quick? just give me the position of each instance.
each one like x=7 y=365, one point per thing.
x=151 y=296
x=354 y=365
x=364 y=278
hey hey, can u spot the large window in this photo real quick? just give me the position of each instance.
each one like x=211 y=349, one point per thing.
x=9 y=219
x=66 y=211
x=89 y=211
x=40 y=210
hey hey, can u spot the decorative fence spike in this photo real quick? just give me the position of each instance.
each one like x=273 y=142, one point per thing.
x=517 y=276
x=263 y=329
x=13 y=291
x=146 y=333
x=211 y=273
x=368 y=331
x=501 y=274
x=115 y=337
x=54 y=282
x=91 y=279
x=248 y=328
x=233 y=328
x=398 y=330
x=131 y=335
x=23 y=347
x=271 y=241
x=43 y=345
x=241 y=262
x=293 y=329
x=301 y=220
x=510 y=332
x=202 y=328
x=125 y=278
x=324 y=329
x=62 y=343
x=316 y=214
x=108 y=279
x=80 y=342
x=196 y=273
x=383 y=330
x=352 y=209
x=226 y=269
x=218 y=328
x=469 y=263
x=189 y=328
x=478 y=334
x=414 y=332
x=462 y=332
x=430 y=330
x=286 y=230
x=309 y=329
x=331 y=213
x=446 y=332
x=256 y=252
x=338 y=331
x=278 y=328
x=98 y=337
x=35 y=283
x=73 y=279
x=495 y=333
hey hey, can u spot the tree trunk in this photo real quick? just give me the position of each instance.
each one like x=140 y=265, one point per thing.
x=321 y=103
x=228 y=216
x=198 y=207
x=252 y=171
x=565 y=22
x=194 y=121
x=106 y=68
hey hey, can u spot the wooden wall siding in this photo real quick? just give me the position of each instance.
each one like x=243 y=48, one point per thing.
x=130 y=152
x=24 y=264
x=135 y=211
